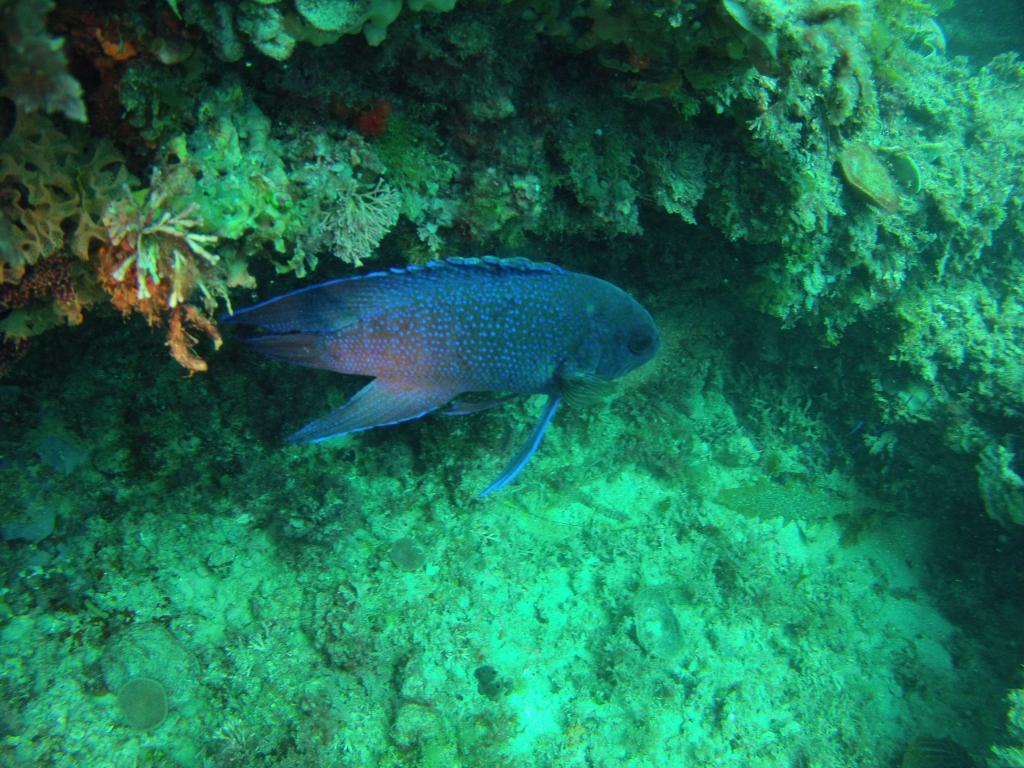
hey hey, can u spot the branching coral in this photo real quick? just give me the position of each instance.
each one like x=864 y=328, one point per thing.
x=361 y=221
x=154 y=260
x=340 y=212
x=182 y=343
x=162 y=252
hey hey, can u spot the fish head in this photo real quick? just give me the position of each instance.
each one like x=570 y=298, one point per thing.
x=624 y=336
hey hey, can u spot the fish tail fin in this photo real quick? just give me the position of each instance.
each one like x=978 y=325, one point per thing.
x=323 y=308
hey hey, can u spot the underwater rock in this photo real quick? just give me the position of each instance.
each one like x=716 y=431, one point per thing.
x=905 y=170
x=34 y=65
x=407 y=555
x=171 y=51
x=868 y=174
x=927 y=36
x=746 y=18
x=143 y=702
x=332 y=16
x=927 y=752
x=657 y=628
x=845 y=96
x=420 y=728
x=60 y=451
x=372 y=18
x=1001 y=485
x=34 y=529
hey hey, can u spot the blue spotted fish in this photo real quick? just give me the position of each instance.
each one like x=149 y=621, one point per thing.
x=429 y=334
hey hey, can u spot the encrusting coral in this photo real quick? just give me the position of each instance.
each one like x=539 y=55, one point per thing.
x=830 y=141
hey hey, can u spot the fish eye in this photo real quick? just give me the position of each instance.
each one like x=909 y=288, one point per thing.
x=639 y=343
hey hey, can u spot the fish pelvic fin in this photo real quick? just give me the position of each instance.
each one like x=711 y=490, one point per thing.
x=517 y=462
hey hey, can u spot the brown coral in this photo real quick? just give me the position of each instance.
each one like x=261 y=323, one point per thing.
x=51 y=279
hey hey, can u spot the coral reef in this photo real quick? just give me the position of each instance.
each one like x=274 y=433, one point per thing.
x=53 y=192
x=33 y=64
x=274 y=28
x=1001 y=485
x=1012 y=756
x=822 y=202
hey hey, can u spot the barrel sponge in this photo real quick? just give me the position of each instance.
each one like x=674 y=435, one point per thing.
x=371 y=17
x=380 y=15
x=347 y=17
x=344 y=16
x=438 y=6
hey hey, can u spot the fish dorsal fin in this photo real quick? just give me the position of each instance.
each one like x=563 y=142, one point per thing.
x=339 y=304
x=495 y=264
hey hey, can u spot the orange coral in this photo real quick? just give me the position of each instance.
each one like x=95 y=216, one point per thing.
x=373 y=121
x=114 y=46
x=153 y=260
x=122 y=288
x=104 y=44
x=182 y=343
x=50 y=279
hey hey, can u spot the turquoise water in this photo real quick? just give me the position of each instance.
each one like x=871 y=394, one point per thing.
x=792 y=539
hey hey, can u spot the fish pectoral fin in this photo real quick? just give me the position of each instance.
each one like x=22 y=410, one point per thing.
x=516 y=464
x=464 y=409
x=378 y=404
x=583 y=389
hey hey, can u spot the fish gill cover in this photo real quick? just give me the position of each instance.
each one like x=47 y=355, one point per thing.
x=792 y=539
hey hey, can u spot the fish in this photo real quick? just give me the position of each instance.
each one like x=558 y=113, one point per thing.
x=429 y=334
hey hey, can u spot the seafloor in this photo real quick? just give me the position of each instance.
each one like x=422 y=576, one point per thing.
x=793 y=540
